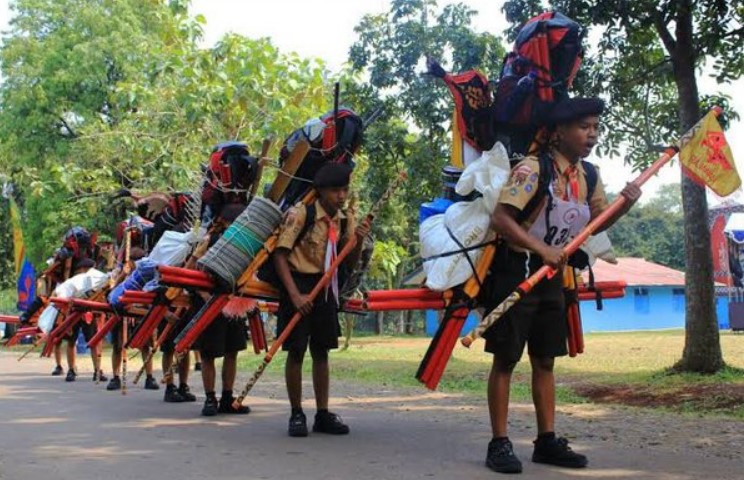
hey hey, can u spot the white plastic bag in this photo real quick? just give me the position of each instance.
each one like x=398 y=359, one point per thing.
x=47 y=318
x=486 y=175
x=599 y=246
x=173 y=248
x=82 y=283
x=468 y=222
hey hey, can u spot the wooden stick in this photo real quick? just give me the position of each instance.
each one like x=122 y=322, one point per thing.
x=33 y=347
x=527 y=285
x=322 y=283
x=285 y=174
x=261 y=160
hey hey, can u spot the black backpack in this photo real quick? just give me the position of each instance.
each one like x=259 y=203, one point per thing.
x=267 y=272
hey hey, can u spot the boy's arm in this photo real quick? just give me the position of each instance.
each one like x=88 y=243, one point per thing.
x=300 y=302
x=504 y=221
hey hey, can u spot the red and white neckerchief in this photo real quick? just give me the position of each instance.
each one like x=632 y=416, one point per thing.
x=571 y=174
x=330 y=256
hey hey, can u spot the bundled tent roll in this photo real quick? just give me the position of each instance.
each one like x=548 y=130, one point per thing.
x=227 y=259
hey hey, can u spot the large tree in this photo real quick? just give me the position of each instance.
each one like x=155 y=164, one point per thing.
x=645 y=63
x=100 y=95
x=61 y=62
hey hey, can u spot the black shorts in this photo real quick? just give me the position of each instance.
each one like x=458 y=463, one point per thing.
x=538 y=319
x=88 y=329
x=320 y=329
x=222 y=336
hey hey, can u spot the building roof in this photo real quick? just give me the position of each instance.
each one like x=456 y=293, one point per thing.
x=637 y=271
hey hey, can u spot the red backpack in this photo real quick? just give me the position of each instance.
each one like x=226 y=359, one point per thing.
x=537 y=73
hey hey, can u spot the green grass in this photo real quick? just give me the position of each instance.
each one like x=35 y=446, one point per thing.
x=635 y=361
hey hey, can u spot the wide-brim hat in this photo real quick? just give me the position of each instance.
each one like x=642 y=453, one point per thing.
x=333 y=175
x=572 y=109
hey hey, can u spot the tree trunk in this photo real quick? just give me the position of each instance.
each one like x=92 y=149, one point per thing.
x=380 y=325
x=702 y=351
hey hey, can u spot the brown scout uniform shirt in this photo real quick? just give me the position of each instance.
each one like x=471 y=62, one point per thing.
x=308 y=256
x=523 y=182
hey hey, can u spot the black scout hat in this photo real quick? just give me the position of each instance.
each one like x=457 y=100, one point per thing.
x=333 y=175
x=575 y=108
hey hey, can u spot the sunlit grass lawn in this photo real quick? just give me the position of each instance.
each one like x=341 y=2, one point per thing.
x=633 y=358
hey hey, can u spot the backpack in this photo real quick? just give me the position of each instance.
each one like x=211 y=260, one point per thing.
x=267 y=272
x=228 y=178
x=537 y=73
x=326 y=145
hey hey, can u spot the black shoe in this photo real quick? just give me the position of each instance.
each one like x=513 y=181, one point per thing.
x=500 y=457
x=297 y=425
x=99 y=377
x=114 y=383
x=226 y=406
x=185 y=392
x=197 y=367
x=58 y=370
x=327 y=422
x=151 y=384
x=210 y=407
x=555 y=451
x=172 y=395
x=71 y=376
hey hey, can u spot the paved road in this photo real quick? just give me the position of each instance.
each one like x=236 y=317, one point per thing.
x=54 y=430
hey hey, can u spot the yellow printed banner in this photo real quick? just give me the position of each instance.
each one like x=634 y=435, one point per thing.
x=707 y=158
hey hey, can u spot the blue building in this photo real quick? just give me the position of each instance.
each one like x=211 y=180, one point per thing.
x=654 y=299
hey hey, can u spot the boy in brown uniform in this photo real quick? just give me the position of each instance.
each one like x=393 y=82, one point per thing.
x=309 y=239
x=537 y=219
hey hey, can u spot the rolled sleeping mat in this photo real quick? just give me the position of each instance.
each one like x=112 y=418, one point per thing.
x=227 y=259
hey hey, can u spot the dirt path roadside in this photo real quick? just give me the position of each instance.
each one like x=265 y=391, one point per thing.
x=57 y=430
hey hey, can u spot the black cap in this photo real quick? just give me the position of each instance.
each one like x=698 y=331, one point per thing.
x=333 y=175
x=572 y=109
x=84 y=263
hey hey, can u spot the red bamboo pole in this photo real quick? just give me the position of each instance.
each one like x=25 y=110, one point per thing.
x=104 y=330
x=606 y=295
x=439 y=363
x=79 y=303
x=404 y=294
x=187 y=282
x=380 y=306
x=571 y=333
x=579 y=330
x=179 y=272
x=213 y=309
x=149 y=324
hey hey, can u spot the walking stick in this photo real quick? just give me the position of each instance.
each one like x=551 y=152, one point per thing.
x=322 y=283
x=124 y=356
x=33 y=346
x=526 y=286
